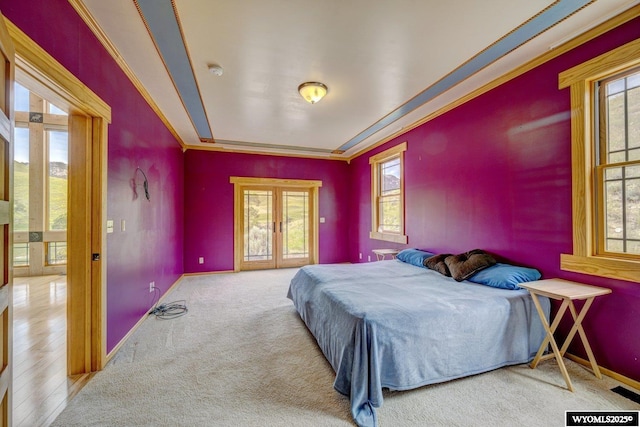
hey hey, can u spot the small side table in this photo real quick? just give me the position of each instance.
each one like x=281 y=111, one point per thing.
x=566 y=291
x=381 y=253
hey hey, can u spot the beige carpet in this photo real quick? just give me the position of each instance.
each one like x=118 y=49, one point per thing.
x=243 y=357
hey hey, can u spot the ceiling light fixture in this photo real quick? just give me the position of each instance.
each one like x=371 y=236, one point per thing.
x=312 y=92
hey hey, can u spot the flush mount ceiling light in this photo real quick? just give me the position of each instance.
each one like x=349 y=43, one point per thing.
x=312 y=91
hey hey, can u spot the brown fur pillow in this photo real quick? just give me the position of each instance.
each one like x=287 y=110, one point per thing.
x=437 y=263
x=467 y=264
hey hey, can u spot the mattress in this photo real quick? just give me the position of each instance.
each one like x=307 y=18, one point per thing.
x=393 y=325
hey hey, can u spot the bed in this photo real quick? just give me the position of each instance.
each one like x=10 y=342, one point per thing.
x=389 y=324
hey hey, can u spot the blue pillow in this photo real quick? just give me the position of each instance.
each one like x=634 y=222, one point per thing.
x=414 y=256
x=505 y=276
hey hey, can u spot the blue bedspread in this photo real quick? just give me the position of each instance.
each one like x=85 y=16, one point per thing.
x=392 y=325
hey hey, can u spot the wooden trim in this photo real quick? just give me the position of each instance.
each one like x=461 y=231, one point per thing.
x=7 y=119
x=144 y=317
x=48 y=119
x=374 y=161
x=205 y=273
x=613 y=268
x=31 y=59
x=277 y=185
x=389 y=237
x=616 y=60
x=611 y=374
x=98 y=244
x=581 y=80
x=88 y=19
x=582 y=182
x=393 y=151
x=237 y=227
x=92 y=115
x=278 y=182
x=314 y=200
x=79 y=247
x=600 y=29
x=226 y=149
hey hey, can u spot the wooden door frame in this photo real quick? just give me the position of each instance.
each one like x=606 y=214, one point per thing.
x=239 y=201
x=7 y=122
x=240 y=182
x=89 y=118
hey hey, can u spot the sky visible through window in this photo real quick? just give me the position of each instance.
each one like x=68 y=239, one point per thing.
x=21 y=98
x=21 y=145
x=58 y=144
x=58 y=147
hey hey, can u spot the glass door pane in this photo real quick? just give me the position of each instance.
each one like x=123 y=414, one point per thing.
x=295 y=236
x=258 y=225
x=295 y=224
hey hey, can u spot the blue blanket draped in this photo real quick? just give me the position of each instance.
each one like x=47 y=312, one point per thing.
x=393 y=325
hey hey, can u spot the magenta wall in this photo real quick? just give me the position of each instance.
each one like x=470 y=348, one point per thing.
x=208 y=225
x=151 y=247
x=495 y=173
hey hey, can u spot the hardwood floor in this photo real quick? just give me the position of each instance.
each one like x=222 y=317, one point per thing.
x=41 y=388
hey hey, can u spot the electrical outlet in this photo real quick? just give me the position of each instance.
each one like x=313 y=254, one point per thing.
x=360 y=255
x=152 y=286
x=369 y=258
x=201 y=260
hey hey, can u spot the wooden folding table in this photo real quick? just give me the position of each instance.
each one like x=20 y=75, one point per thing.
x=566 y=291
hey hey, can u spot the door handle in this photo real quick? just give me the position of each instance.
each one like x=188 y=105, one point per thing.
x=274 y=226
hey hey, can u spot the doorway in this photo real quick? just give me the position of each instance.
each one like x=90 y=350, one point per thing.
x=276 y=223
x=40 y=190
x=87 y=121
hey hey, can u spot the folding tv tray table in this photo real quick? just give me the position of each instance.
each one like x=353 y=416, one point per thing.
x=567 y=291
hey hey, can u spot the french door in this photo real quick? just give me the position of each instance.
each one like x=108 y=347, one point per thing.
x=275 y=223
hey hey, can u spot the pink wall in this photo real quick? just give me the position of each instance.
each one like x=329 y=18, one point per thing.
x=495 y=173
x=151 y=247
x=208 y=194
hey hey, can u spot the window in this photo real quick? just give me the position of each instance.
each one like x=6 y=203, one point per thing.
x=56 y=253
x=20 y=254
x=387 y=195
x=40 y=166
x=618 y=170
x=21 y=179
x=605 y=135
x=58 y=157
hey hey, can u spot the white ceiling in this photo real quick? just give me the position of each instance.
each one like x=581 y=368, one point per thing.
x=375 y=56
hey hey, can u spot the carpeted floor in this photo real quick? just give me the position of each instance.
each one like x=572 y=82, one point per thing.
x=242 y=357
